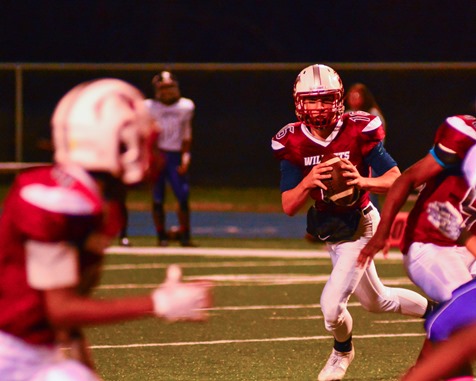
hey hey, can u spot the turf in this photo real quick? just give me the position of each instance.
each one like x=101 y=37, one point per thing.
x=266 y=323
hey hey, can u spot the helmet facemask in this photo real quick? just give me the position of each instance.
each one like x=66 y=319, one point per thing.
x=318 y=97
x=319 y=111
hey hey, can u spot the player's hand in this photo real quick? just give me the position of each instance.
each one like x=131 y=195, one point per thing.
x=175 y=300
x=351 y=173
x=318 y=173
x=182 y=169
x=375 y=244
x=446 y=218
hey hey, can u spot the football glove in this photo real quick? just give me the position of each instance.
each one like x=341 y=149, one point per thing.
x=175 y=300
x=446 y=218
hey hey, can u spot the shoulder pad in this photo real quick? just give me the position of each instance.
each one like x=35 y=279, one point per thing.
x=57 y=199
x=279 y=140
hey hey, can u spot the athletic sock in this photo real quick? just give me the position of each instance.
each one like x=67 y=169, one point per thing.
x=343 y=346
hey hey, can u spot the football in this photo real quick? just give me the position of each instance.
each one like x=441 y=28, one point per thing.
x=338 y=191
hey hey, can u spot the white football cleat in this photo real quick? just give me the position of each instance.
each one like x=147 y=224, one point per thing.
x=336 y=366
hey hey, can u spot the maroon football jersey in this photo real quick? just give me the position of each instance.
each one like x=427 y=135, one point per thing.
x=455 y=136
x=48 y=205
x=356 y=134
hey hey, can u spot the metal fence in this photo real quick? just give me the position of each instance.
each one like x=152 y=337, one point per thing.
x=239 y=108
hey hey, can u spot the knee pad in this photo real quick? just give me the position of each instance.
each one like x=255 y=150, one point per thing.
x=333 y=315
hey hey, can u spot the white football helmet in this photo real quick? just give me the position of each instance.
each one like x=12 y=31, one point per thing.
x=104 y=126
x=166 y=87
x=319 y=82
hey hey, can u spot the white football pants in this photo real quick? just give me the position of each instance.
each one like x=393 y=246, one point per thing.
x=20 y=361
x=347 y=278
x=439 y=270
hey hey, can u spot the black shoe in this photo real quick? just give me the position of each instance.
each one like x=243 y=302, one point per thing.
x=162 y=239
x=187 y=243
x=430 y=308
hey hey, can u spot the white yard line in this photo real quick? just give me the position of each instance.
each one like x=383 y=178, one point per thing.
x=244 y=341
x=227 y=252
x=146 y=266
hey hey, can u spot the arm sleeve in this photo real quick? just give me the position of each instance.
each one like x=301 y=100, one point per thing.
x=380 y=160
x=290 y=175
x=51 y=265
x=444 y=156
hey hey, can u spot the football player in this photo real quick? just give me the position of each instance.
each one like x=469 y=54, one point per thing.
x=452 y=327
x=356 y=137
x=56 y=223
x=432 y=259
x=174 y=115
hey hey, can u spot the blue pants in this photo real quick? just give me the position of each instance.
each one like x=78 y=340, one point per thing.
x=456 y=313
x=178 y=183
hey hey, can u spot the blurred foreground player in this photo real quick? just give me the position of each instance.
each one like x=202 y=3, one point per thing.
x=433 y=261
x=452 y=328
x=56 y=223
x=173 y=113
x=323 y=128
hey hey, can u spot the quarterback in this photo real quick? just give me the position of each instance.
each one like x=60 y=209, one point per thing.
x=56 y=223
x=356 y=137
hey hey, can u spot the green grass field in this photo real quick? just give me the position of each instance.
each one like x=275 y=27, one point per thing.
x=266 y=323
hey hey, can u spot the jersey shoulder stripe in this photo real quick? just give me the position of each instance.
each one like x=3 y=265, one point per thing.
x=462 y=125
x=57 y=199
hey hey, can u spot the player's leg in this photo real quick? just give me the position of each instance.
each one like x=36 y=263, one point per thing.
x=455 y=353
x=437 y=270
x=457 y=313
x=375 y=297
x=158 y=209
x=181 y=188
x=344 y=278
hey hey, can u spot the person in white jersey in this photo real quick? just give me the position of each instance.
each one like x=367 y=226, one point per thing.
x=174 y=115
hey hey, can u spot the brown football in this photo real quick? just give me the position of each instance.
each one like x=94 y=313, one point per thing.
x=337 y=190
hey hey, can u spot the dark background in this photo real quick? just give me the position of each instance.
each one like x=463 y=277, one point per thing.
x=239 y=110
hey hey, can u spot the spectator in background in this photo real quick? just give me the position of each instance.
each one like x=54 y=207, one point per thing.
x=173 y=114
x=360 y=98
x=57 y=222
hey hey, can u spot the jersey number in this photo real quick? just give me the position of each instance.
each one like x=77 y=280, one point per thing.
x=468 y=208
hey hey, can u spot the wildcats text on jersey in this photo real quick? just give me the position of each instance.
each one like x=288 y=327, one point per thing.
x=314 y=160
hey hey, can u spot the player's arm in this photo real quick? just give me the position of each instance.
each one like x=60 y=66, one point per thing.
x=186 y=147
x=186 y=156
x=295 y=189
x=53 y=268
x=411 y=178
x=384 y=168
x=469 y=240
